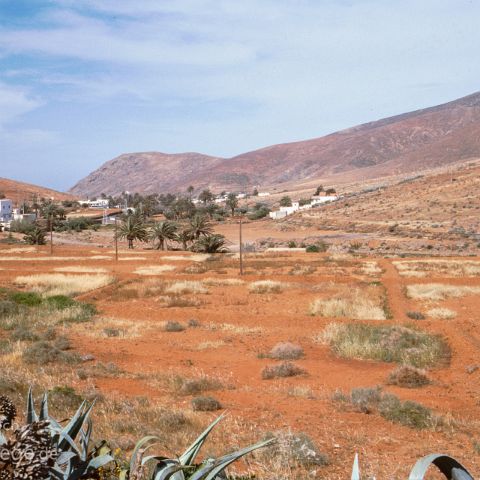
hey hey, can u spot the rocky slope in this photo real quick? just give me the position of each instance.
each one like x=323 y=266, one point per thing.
x=20 y=191
x=405 y=143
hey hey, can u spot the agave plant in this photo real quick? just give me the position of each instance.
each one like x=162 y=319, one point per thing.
x=71 y=454
x=448 y=466
x=162 y=468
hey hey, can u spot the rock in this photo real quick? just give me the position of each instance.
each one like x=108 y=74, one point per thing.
x=472 y=368
x=87 y=357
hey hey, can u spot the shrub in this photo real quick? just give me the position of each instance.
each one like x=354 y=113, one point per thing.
x=385 y=343
x=43 y=352
x=312 y=249
x=409 y=377
x=286 y=351
x=195 y=386
x=410 y=414
x=266 y=286
x=286 y=369
x=296 y=448
x=64 y=397
x=205 y=404
x=60 y=302
x=416 y=315
x=29 y=299
x=193 y=323
x=365 y=399
x=292 y=244
x=8 y=308
x=23 y=333
x=174 y=326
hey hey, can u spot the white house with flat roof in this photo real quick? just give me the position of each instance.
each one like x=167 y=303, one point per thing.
x=5 y=210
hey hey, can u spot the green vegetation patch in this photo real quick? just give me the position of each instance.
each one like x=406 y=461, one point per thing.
x=386 y=343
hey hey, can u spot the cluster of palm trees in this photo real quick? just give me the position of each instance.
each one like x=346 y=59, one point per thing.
x=197 y=235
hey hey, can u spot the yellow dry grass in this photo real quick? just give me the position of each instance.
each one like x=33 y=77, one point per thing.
x=442 y=313
x=186 y=287
x=210 y=344
x=154 y=269
x=187 y=258
x=218 y=282
x=61 y=284
x=439 y=291
x=356 y=307
x=440 y=267
x=22 y=250
x=52 y=258
x=266 y=286
x=127 y=259
x=105 y=327
x=234 y=329
x=80 y=269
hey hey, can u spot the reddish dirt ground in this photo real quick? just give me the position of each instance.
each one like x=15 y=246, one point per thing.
x=387 y=450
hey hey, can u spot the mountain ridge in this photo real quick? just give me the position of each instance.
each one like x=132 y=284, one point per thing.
x=412 y=141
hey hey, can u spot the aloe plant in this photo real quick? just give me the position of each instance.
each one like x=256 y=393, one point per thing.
x=184 y=467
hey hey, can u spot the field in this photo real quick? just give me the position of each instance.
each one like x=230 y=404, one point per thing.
x=285 y=349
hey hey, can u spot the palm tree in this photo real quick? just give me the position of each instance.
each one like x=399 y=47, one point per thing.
x=163 y=231
x=211 y=244
x=35 y=236
x=232 y=202
x=199 y=225
x=184 y=237
x=132 y=229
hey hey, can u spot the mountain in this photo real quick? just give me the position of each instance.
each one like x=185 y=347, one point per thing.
x=19 y=191
x=410 y=142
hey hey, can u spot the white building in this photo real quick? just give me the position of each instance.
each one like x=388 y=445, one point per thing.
x=5 y=210
x=263 y=194
x=241 y=195
x=277 y=214
x=24 y=217
x=99 y=203
x=318 y=199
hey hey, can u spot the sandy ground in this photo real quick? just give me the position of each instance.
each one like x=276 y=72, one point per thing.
x=236 y=326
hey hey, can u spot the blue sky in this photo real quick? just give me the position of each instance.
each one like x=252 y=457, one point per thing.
x=82 y=81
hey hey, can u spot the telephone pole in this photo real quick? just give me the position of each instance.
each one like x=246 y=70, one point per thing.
x=241 y=246
x=116 y=240
x=51 y=234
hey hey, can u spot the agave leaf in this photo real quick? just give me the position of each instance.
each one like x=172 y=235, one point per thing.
x=75 y=424
x=170 y=472
x=142 y=443
x=356 y=469
x=189 y=455
x=44 y=408
x=100 y=461
x=209 y=472
x=57 y=473
x=31 y=414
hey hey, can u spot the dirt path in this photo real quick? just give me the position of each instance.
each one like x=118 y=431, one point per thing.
x=397 y=302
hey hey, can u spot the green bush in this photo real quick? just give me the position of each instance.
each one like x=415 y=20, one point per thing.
x=205 y=404
x=312 y=249
x=8 y=308
x=60 y=302
x=410 y=414
x=43 y=352
x=29 y=299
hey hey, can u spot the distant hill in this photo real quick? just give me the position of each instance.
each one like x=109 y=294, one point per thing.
x=411 y=142
x=19 y=191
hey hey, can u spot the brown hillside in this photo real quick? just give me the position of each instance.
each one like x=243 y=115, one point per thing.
x=19 y=191
x=405 y=143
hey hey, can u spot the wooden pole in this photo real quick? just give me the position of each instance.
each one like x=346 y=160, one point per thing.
x=51 y=234
x=241 y=247
x=116 y=240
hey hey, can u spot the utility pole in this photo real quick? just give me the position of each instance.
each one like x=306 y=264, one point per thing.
x=241 y=246
x=51 y=234
x=116 y=240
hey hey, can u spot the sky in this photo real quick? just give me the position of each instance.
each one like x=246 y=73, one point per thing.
x=83 y=81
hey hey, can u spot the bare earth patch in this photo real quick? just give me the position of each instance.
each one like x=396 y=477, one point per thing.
x=154 y=269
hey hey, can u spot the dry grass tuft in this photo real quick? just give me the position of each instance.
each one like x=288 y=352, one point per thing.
x=384 y=343
x=234 y=329
x=60 y=284
x=440 y=267
x=266 y=286
x=218 y=282
x=154 y=269
x=187 y=258
x=286 y=351
x=286 y=369
x=439 y=291
x=353 y=303
x=442 y=313
x=408 y=377
x=80 y=269
x=186 y=287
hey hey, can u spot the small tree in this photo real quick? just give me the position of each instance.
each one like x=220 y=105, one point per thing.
x=199 y=225
x=211 y=244
x=255 y=192
x=184 y=237
x=232 y=202
x=286 y=201
x=206 y=196
x=331 y=191
x=319 y=190
x=35 y=236
x=163 y=231
x=133 y=229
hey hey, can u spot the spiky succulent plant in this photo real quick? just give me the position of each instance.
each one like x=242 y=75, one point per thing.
x=8 y=412
x=184 y=467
